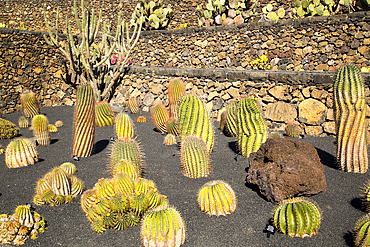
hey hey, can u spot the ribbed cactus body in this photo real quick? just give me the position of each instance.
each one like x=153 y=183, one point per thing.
x=69 y=168
x=7 y=129
x=292 y=130
x=159 y=116
x=217 y=198
x=133 y=105
x=361 y=233
x=172 y=126
x=104 y=115
x=23 y=122
x=84 y=122
x=350 y=111
x=123 y=185
x=124 y=126
x=223 y=122
x=52 y=128
x=194 y=120
x=127 y=167
x=29 y=104
x=176 y=89
x=40 y=127
x=24 y=216
x=104 y=188
x=126 y=149
x=195 y=160
x=141 y=119
x=297 y=217
x=143 y=185
x=139 y=203
x=163 y=226
x=20 y=152
x=232 y=119
x=169 y=139
x=252 y=131
x=59 y=182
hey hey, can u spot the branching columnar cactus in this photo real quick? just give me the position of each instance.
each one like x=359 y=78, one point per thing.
x=23 y=122
x=163 y=226
x=29 y=104
x=141 y=119
x=159 y=116
x=195 y=160
x=40 y=127
x=217 y=198
x=125 y=127
x=176 y=89
x=232 y=119
x=84 y=122
x=292 y=129
x=169 y=139
x=361 y=233
x=104 y=115
x=297 y=217
x=350 y=111
x=58 y=186
x=172 y=126
x=15 y=229
x=133 y=105
x=7 y=129
x=252 y=131
x=194 y=120
x=20 y=152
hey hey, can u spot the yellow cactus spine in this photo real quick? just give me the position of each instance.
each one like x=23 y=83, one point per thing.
x=40 y=127
x=104 y=115
x=160 y=116
x=125 y=127
x=195 y=160
x=20 y=152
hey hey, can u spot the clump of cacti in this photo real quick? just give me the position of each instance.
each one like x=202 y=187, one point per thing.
x=194 y=120
x=7 y=129
x=104 y=115
x=58 y=123
x=217 y=198
x=29 y=103
x=23 y=122
x=195 y=159
x=52 y=128
x=141 y=119
x=125 y=127
x=160 y=116
x=169 y=139
x=350 y=111
x=172 y=126
x=17 y=228
x=292 y=129
x=84 y=122
x=176 y=89
x=361 y=232
x=163 y=226
x=133 y=105
x=297 y=217
x=58 y=186
x=20 y=152
x=40 y=128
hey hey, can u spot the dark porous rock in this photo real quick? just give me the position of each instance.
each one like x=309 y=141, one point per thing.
x=284 y=168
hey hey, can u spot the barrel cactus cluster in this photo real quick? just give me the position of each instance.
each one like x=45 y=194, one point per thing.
x=20 y=152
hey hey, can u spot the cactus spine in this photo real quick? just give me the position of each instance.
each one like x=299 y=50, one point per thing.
x=29 y=104
x=362 y=231
x=23 y=122
x=350 y=110
x=125 y=127
x=20 y=152
x=104 y=115
x=297 y=217
x=176 y=89
x=40 y=127
x=194 y=120
x=84 y=122
x=159 y=116
x=126 y=149
x=252 y=131
x=195 y=160
x=133 y=105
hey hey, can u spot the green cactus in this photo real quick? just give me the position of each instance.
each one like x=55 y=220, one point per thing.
x=76 y=187
x=7 y=129
x=275 y=135
x=29 y=103
x=20 y=152
x=172 y=126
x=361 y=232
x=252 y=131
x=194 y=120
x=160 y=116
x=84 y=122
x=52 y=128
x=69 y=168
x=23 y=215
x=232 y=119
x=154 y=198
x=350 y=111
x=119 y=203
x=123 y=185
x=141 y=119
x=151 y=15
x=104 y=188
x=176 y=89
x=163 y=226
x=223 y=121
x=169 y=139
x=40 y=127
x=133 y=105
x=104 y=115
x=127 y=167
x=297 y=217
x=88 y=199
x=305 y=8
x=143 y=185
x=23 y=122
x=125 y=127
x=59 y=182
x=292 y=129
x=195 y=160
x=139 y=203
x=217 y=198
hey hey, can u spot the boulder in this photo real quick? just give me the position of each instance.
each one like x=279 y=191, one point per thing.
x=284 y=168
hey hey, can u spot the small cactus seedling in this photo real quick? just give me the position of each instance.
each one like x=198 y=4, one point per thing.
x=23 y=122
x=160 y=116
x=172 y=126
x=176 y=89
x=7 y=129
x=104 y=115
x=169 y=139
x=125 y=127
x=292 y=129
x=195 y=160
x=297 y=217
x=231 y=118
x=141 y=119
x=217 y=198
x=133 y=105
x=361 y=233
x=20 y=152
x=52 y=128
x=58 y=124
x=40 y=130
x=2 y=150
x=275 y=135
x=29 y=104
x=163 y=226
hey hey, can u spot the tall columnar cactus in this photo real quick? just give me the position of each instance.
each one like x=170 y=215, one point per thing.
x=350 y=111
x=125 y=127
x=176 y=89
x=159 y=116
x=252 y=131
x=163 y=226
x=194 y=120
x=20 y=152
x=172 y=126
x=292 y=129
x=29 y=104
x=104 y=115
x=133 y=105
x=361 y=232
x=7 y=129
x=40 y=127
x=195 y=160
x=84 y=122
x=231 y=118
x=23 y=122
x=297 y=217
x=217 y=198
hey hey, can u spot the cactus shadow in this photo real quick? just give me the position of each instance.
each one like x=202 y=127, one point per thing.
x=233 y=146
x=100 y=146
x=348 y=237
x=326 y=158
x=53 y=141
x=359 y=204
